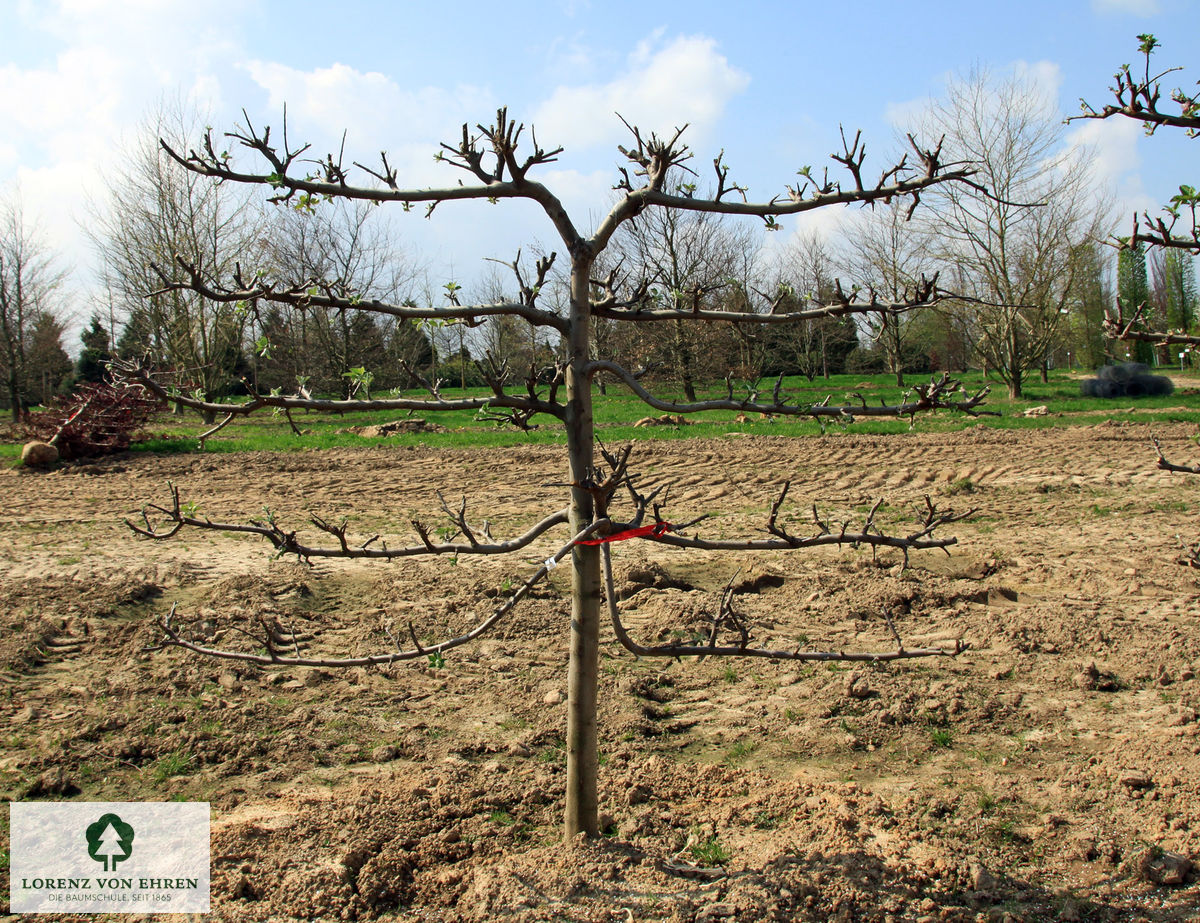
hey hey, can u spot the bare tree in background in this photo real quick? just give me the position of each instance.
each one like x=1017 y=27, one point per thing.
x=802 y=275
x=507 y=344
x=1014 y=261
x=605 y=497
x=347 y=247
x=30 y=290
x=688 y=261
x=153 y=213
x=888 y=255
x=1084 y=342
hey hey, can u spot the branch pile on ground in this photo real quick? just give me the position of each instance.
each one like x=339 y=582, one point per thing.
x=96 y=419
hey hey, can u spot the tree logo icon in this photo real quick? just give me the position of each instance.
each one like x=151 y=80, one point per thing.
x=110 y=840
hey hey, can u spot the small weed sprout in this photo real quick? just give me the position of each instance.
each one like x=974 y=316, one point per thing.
x=708 y=851
x=740 y=750
x=171 y=765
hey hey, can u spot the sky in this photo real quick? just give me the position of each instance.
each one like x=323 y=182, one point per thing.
x=770 y=83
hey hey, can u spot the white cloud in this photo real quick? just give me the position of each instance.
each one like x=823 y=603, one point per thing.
x=1134 y=7
x=157 y=30
x=828 y=225
x=51 y=198
x=1110 y=148
x=904 y=115
x=1045 y=78
x=100 y=64
x=1042 y=78
x=76 y=97
x=374 y=111
x=571 y=55
x=663 y=87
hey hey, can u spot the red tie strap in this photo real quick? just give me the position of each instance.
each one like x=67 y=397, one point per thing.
x=657 y=528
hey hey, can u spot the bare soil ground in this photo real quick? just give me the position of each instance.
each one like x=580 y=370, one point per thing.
x=1039 y=776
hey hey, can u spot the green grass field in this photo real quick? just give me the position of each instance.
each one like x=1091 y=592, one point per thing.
x=617 y=411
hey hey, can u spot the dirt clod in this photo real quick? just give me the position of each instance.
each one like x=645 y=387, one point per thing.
x=858 y=686
x=1162 y=867
x=40 y=455
x=51 y=783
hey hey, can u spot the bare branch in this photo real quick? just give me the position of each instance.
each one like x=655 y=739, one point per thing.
x=1140 y=98
x=173 y=636
x=1168 y=466
x=204 y=436
x=135 y=374
x=868 y=534
x=313 y=293
x=160 y=522
x=1120 y=326
x=638 y=307
x=490 y=157
x=727 y=619
x=942 y=393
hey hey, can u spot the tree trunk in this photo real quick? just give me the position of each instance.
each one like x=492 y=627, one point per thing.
x=462 y=365
x=683 y=361
x=1015 y=380
x=14 y=388
x=581 y=814
x=1009 y=366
